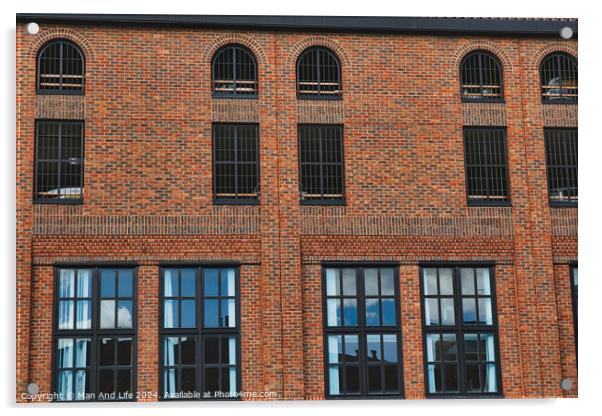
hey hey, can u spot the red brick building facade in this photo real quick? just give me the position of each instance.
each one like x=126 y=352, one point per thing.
x=148 y=111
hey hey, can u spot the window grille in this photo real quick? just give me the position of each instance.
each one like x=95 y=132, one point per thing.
x=481 y=77
x=234 y=72
x=561 y=161
x=59 y=161
x=236 y=163
x=61 y=68
x=319 y=74
x=558 y=74
x=321 y=164
x=486 y=165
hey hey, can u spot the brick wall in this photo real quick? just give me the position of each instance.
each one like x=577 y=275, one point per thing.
x=148 y=195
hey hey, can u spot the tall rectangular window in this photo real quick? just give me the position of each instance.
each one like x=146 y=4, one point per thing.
x=486 y=165
x=235 y=163
x=59 y=161
x=200 y=341
x=321 y=164
x=362 y=332
x=461 y=352
x=95 y=334
x=561 y=162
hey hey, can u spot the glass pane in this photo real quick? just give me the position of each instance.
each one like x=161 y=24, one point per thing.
x=451 y=377
x=82 y=384
x=231 y=357
x=432 y=347
x=124 y=351
x=210 y=284
x=372 y=312
x=170 y=314
x=352 y=379
x=470 y=347
x=65 y=353
x=349 y=312
x=232 y=380
x=446 y=286
x=188 y=313
x=388 y=307
x=332 y=282
x=82 y=352
x=390 y=348
x=211 y=313
x=125 y=314
x=430 y=281
x=352 y=348
x=188 y=283
x=107 y=351
x=170 y=281
x=228 y=282
x=349 y=282
x=170 y=351
x=188 y=350
x=434 y=378
x=374 y=379
x=431 y=311
x=105 y=381
x=447 y=310
x=84 y=314
x=373 y=348
x=188 y=380
x=449 y=347
x=391 y=378
x=335 y=348
x=107 y=283
x=212 y=380
x=333 y=312
x=66 y=283
x=212 y=350
x=84 y=283
x=371 y=280
x=387 y=282
x=65 y=385
x=486 y=347
x=485 y=314
x=333 y=380
x=473 y=383
x=467 y=277
x=469 y=311
x=169 y=382
x=66 y=315
x=228 y=313
x=124 y=381
x=125 y=284
x=489 y=379
x=483 y=281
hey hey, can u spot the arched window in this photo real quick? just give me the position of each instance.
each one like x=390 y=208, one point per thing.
x=481 y=77
x=234 y=72
x=558 y=73
x=61 y=68
x=318 y=74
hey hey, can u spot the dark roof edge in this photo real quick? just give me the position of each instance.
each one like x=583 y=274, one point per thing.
x=367 y=24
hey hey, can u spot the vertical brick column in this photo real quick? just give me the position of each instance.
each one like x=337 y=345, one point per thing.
x=24 y=191
x=564 y=303
x=411 y=330
x=148 y=331
x=313 y=332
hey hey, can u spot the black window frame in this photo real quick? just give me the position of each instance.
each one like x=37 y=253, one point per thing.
x=235 y=199
x=361 y=330
x=459 y=329
x=319 y=96
x=321 y=199
x=487 y=200
x=480 y=53
x=95 y=333
x=563 y=99
x=199 y=332
x=60 y=90
x=60 y=122
x=564 y=133
x=234 y=94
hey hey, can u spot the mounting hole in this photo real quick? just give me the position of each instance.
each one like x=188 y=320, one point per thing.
x=33 y=388
x=566 y=384
x=33 y=28
x=566 y=32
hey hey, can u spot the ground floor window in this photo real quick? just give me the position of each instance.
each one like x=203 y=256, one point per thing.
x=200 y=340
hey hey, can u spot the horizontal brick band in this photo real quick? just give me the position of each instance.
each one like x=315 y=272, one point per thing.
x=231 y=110
x=560 y=115
x=564 y=222
x=320 y=112
x=60 y=107
x=483 y=114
